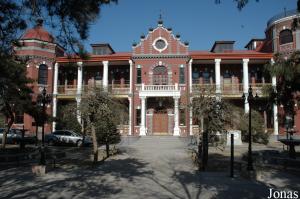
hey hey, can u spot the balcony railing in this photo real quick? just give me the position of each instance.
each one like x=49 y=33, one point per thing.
x=115 y=89
x=230 y=89
x=160 y=87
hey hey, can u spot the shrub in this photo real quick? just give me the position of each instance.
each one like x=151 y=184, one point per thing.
x=240 y=121
x=67 y=118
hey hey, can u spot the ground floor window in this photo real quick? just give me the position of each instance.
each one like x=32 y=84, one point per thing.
x=182 y=117
x=19 y=117
x=138 y=117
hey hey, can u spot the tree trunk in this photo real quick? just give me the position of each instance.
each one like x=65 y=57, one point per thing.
x=95 y=145
x=10 y=123
x=4 y=138
x=36 y=133
x=205 y=150
x=107 y=149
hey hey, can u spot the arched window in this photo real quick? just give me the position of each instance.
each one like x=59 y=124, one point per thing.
x=285 y=36
x=160 y=75
x=43 y=74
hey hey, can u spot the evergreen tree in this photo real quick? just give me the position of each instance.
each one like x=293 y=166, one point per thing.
x=70 y=20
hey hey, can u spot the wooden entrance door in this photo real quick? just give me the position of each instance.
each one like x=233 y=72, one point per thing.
x=160 y=123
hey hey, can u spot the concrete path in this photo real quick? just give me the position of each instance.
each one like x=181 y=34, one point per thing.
x=151 y=167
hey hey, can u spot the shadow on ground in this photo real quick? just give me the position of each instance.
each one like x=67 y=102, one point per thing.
x=75 y=181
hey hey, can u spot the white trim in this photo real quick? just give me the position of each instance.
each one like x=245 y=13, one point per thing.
x=37 y=41
x=35 y=48
x=160 y=38
x=155 y=29
x=282 y=20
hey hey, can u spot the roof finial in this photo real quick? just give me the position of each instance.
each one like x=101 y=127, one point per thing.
x=39 y=22
x=160 y=21
x=284 y=11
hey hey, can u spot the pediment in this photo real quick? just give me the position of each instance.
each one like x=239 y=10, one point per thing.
x=160 y=41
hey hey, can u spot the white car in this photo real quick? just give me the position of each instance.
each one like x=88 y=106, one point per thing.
x=66 y=137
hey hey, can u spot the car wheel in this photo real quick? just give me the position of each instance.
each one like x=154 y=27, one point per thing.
x=51 y=143
x=79 y=143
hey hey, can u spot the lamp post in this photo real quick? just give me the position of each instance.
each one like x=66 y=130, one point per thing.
x=43 y=99
x=250 y=99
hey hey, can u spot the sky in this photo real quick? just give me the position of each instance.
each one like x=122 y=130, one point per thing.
x=200 y=22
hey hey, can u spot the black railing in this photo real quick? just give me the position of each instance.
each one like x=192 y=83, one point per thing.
x=282 y=15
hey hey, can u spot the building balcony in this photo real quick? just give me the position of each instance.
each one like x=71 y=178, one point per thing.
x=159 y=90
x=230 y=90
x=70 y=91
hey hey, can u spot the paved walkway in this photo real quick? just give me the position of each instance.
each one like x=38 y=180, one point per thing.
x=152 y=167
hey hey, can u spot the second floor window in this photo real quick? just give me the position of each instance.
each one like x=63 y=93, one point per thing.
x=285 y=36
x=181 y=75
x=138 y=76
x=160 y=75
x=43 y=74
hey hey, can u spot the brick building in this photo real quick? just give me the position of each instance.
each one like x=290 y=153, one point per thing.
x=160 y=76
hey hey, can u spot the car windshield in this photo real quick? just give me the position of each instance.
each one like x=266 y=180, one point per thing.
x=58 y=133
x=76 y=134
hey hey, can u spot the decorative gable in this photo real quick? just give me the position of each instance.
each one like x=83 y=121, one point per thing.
x=160 y=41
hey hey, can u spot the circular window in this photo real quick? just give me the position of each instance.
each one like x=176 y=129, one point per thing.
x=160 y=44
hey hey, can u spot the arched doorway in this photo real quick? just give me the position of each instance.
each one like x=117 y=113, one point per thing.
x=160 y=75
x=161 y=122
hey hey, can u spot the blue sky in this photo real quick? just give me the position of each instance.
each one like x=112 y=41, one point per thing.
x=200 y=22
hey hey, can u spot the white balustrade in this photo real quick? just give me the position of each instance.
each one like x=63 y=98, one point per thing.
x=160 y=87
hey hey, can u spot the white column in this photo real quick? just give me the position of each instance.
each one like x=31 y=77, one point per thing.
x=130 y=75
x=245 y=83
x=143 y=117
x=79 y=90
x=190 y=75
x=54 y=107
x=56 y=67
x=54 y=112
x=218 y=75
x=191 y=118
x=105 y=74
x=78 y=113
x=176 y=117
x=130 y=115
x=79 y=78
x=275 y=109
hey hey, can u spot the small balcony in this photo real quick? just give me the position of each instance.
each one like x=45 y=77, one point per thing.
x=159 y=90
x=160 y=87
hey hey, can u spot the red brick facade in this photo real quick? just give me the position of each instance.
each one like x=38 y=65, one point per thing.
x=159 y=77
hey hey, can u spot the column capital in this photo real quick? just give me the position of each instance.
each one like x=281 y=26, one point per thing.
x=130 y=62
x=246 y=60
x=80 y=63
x=190 y=61
x=274 y=81
x=143 y=97
x=105 y=63
x=272 y=61
x=56 y=64
x=218 y=60
x=176 y=97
